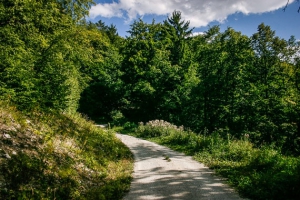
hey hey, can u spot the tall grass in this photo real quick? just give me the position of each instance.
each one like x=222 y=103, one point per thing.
x=60 y=156
x=256 y=173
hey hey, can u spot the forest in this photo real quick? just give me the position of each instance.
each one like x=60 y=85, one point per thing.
x=218 y=81
x=54 y=60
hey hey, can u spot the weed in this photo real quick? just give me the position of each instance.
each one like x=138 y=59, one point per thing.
x=257 y=173
x=60 y=156
x=167 y=158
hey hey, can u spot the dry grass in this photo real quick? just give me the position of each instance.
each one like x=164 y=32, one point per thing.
x=60 y=156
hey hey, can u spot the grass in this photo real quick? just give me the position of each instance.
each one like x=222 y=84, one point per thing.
x=256 y=173
x=60 y=156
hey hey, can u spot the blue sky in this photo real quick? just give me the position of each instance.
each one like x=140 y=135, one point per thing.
x=241 y=15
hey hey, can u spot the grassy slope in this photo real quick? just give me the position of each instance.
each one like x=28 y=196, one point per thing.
x=59 y=156
x=257 y=173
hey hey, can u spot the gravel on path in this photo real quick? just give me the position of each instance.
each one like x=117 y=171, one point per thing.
x=160 y=173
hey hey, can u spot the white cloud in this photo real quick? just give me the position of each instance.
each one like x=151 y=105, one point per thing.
x=198 y=33
x=198 y=12
x=106 y=10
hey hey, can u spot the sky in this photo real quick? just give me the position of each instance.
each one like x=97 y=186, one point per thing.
x=241 y=15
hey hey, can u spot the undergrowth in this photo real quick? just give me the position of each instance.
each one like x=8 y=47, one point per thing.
x=60 y=156
x=256 y=173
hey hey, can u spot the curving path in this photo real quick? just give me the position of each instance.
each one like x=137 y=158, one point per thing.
x=160 y=173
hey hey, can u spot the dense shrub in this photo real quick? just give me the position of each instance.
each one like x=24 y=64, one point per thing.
x=257 y=173
x=60 y=156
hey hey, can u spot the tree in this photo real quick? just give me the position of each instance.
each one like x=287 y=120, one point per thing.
x=154 y=87
x=217 y=102
x=104 y=93
x=177 y=32
x=291 y=128
x=77 y=9
x=42 y=50
x=110 y=31
x=143 y=65
x=268 y=82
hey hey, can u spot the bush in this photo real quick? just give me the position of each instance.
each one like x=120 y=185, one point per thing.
x=157 y=128
x=257 y=173
x=60 y=156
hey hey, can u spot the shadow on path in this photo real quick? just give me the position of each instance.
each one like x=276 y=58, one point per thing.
x=180 y=177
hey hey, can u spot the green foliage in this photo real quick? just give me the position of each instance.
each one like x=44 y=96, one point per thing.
x=104 y=92
x=156 y=128
x=219 y=82
x=215 y=81
x=76 y=9
x=257 y=173
x=43 y=51
x=177 y=32
x=60 y=156
x=156 y=86
x=117 y=117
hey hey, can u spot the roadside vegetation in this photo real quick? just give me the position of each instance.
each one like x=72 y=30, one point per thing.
x=60 y=156
x=238 y=95
x=256 y=172
x=49 y=55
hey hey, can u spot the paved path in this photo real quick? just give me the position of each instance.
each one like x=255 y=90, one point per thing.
x=179 y=177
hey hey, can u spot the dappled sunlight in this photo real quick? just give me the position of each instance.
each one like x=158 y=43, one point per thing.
x=178 y=177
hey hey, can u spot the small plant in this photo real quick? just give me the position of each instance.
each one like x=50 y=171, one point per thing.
x=60 y=156
x=167 y=158
x=157 y=128
x=257 y=173
x=117 y=117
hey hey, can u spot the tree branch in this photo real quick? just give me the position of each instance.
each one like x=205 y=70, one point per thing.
x=287 y=3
